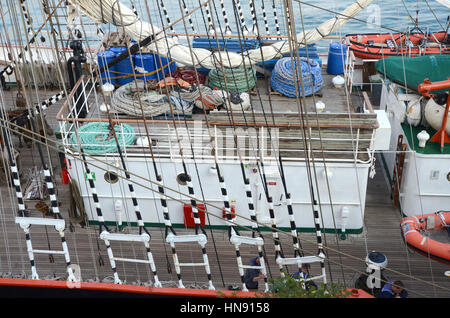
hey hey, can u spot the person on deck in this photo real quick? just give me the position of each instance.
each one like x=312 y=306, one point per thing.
x=253 y=275
x=304 y=274
x=393 y=290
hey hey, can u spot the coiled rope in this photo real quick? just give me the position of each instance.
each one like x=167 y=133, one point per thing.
x=96 y=137
x=125 y=100
x=284 y=81
x=238 y=79
x=194 y=93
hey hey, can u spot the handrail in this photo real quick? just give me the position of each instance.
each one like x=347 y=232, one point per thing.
x=367 y=102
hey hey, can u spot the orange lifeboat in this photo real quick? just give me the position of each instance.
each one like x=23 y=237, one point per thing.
x=375 y=46
x=412 y=230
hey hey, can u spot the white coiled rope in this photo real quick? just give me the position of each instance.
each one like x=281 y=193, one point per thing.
x=126 y=100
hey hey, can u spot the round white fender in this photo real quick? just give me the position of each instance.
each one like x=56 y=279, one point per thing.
x=434 y=113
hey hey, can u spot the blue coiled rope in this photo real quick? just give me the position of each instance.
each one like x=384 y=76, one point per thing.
x=284 y=81
x=96 y=138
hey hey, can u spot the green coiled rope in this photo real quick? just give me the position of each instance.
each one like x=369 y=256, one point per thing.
x=96 y=138
x=238 y=79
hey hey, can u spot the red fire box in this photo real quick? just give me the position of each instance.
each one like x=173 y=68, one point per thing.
x=233 y=212
x=189 y=216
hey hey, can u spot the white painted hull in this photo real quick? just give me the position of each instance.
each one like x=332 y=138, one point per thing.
x=347 y=186
x=425 y=186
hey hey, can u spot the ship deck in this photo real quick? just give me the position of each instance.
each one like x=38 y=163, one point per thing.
x=345 y=262
x=336 y=132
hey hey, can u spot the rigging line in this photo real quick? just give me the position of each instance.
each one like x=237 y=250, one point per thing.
x=235 y=139
x=415 y=21
x=48 y=176
x=173 y=251
x=266 y=24
x=302 y=112
x=220 y=177
x=434 y=14
x=323 y=154
x=157 y=175
x=248 y=190
x=251 y=205
x=244 y=28
x=12 y=163
x=90 y=178
x=159 y=178
x=350 y=17
x=186 y=11
x=8 y=68
x=246 y=180
x=47 y=171
x=296 y=244
x=188 y=179
x=26 y=14
x=231 y=228
x=416 y=173
x=127 y=174
x=9 y=176
x=277 y=26
x=165 y=14
x=355 y=150
x=402 y=52
x=285 y=233
x=150 y=39
x=253 y=13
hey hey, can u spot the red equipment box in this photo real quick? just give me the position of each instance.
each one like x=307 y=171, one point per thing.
x=189 y=216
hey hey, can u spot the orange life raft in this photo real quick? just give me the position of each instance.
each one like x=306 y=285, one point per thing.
x=412 y=230
x=378 y=46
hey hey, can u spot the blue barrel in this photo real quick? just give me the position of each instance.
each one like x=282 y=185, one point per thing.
x=167 y=66
x=151 y=63
x=146 y=61
x=124 y=67
x=336 y=58
x=104 y=58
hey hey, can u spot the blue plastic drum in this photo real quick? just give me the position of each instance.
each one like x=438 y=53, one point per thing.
x=123 y=68
x=168 y=66
x=336 y=58
x=104 y=58
x=145 y=62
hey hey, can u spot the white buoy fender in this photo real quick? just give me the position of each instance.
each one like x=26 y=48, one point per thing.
x=320 y=106
x=423 y=137
x=434 y=113
x=338 y=81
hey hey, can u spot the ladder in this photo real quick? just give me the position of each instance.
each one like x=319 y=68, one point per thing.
x=237 y=240
x=397 y=173
x=201 y=239
x=59 y=224
x=143 y=238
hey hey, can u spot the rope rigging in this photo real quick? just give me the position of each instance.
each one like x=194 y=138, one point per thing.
x=3 y=125
x=202 y=97
x=234 y=236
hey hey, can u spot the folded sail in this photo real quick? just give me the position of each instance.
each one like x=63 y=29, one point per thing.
x=112 y=11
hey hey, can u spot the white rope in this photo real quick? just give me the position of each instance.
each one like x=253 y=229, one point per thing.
x=125 y=101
